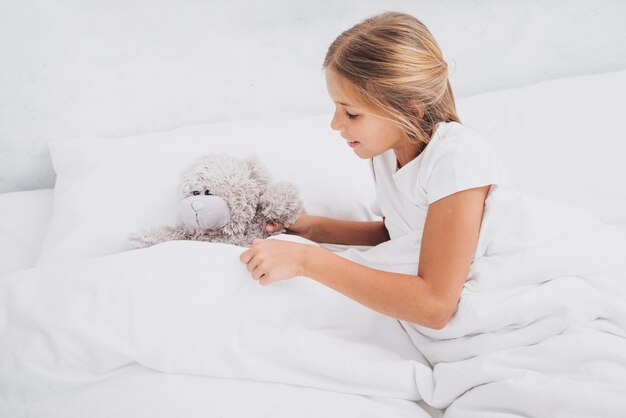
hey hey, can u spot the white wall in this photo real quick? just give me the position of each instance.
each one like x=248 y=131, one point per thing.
x=118 y=67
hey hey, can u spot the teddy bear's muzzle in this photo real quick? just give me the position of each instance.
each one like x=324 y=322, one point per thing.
x=204 y=212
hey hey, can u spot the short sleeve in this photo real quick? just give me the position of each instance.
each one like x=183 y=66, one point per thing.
x=459 y=162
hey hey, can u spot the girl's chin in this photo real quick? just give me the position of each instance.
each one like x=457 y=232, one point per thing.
x=363 y=153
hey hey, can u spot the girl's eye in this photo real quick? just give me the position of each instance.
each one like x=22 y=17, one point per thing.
x=351 y=116
x=208 y=193
x=195 y=193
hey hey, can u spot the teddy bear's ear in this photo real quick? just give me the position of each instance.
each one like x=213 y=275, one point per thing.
x=259 y=172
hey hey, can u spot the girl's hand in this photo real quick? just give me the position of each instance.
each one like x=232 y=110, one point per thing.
x=303 y=226
x=271 y=260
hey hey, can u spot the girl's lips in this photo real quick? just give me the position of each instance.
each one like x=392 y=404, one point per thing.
x=353 y=144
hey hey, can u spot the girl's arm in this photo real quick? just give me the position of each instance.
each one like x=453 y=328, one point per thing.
x=335 y=231
x=429 y=298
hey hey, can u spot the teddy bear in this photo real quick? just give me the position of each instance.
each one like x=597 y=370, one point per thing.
x=228 y=200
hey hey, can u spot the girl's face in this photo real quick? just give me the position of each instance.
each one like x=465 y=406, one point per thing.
x=367 y=134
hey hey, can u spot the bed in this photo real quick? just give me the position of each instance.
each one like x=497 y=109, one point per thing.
x=103 y=103
x=89 y=327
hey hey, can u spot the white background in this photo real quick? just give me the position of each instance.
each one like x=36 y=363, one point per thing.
x=78 y=68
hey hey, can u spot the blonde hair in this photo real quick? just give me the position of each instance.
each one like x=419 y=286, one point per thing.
x=393 y=63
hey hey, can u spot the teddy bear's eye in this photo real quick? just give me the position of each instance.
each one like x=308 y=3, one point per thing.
x=208 y=193
x=195 y=193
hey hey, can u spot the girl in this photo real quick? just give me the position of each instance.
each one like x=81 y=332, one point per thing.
x=394 y=105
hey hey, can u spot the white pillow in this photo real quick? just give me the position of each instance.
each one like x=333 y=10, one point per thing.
x=560 y=139
x=108 y=188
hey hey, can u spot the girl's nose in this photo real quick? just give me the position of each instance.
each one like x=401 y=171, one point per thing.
x=334 y=123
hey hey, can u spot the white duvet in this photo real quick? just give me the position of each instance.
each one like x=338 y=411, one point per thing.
x=191 y=308
x=539 y=332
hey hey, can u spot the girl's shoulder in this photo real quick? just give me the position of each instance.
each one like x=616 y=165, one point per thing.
x=452 y=134
x=453 y=141
x=458 y=158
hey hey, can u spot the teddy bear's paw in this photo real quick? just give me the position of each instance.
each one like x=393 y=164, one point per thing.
x=143 y=239
x=137 y=240
x=282 y=203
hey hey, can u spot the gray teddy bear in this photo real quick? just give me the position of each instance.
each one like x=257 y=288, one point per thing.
x=228 y=200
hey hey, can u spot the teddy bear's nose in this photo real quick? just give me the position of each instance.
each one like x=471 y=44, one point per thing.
x=197 y=205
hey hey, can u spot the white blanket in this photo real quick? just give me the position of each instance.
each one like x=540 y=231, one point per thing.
x=540 y=329
x=139 y=392
x=191 y=308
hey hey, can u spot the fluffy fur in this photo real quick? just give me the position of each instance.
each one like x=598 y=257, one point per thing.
x=226 y=199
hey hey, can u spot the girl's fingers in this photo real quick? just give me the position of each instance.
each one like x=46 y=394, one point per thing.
x=246 y=256
x=273 y=227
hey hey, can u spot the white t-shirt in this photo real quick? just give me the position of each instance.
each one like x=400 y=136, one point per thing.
x=456 y=158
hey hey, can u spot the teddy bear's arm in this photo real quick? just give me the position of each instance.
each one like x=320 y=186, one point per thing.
x=281 y=203
x=153 y=236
